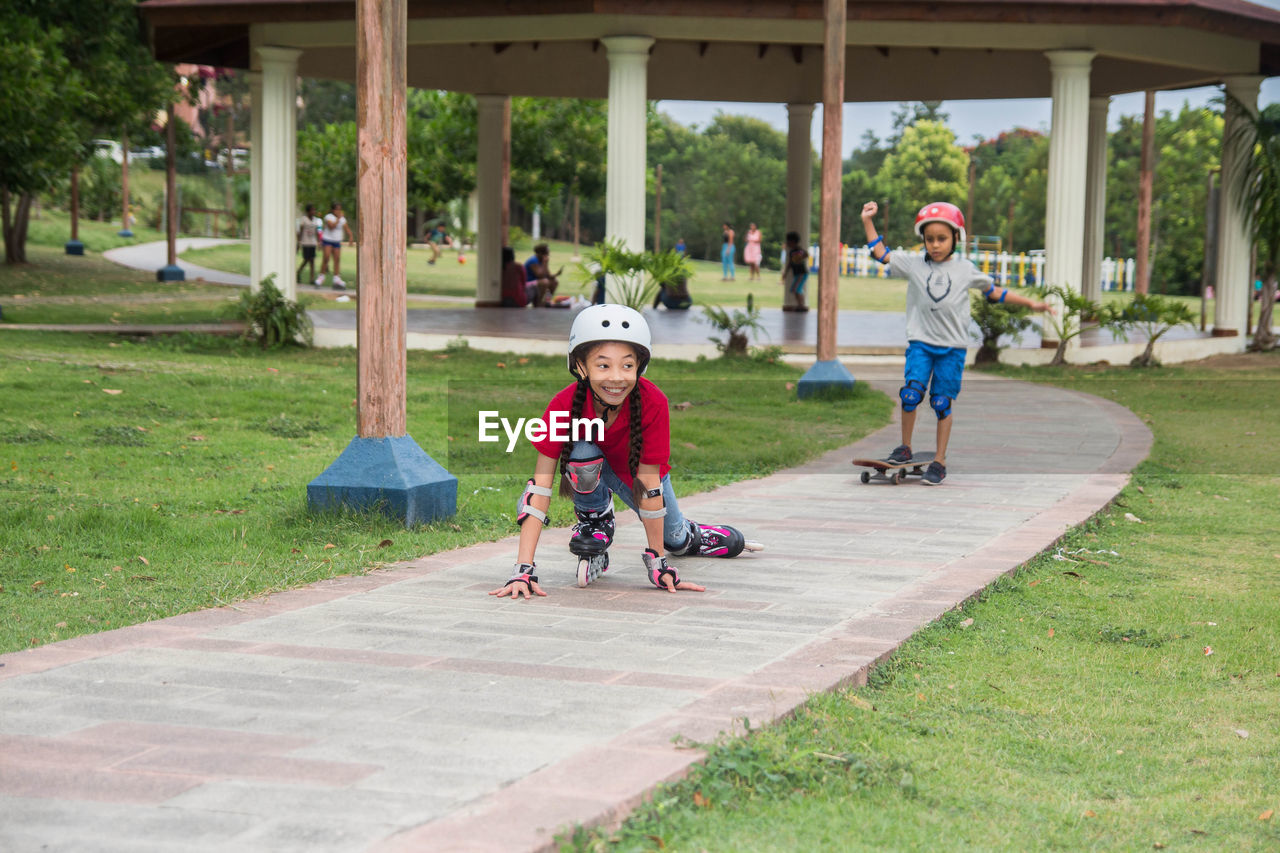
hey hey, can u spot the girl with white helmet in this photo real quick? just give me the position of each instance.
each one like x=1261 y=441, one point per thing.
x=938 y=315
x=609 y=349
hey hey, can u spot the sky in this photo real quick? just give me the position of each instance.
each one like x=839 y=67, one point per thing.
x=967 y=118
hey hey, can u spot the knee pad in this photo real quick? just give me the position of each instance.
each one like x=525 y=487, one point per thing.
x=912 y=394
x=941 y=404
x=584 y=474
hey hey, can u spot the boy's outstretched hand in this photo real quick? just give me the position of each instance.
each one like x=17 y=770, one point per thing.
x=869 y=210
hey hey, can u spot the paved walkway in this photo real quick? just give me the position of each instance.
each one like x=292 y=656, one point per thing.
x=408 y=711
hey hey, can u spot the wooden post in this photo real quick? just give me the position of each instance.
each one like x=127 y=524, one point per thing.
x=577 y=221
x=657 y=210
x=973 y=177
x=171 y=186
x=381 y=27
x=75 y=203
x=829 y=230
x=1142 y=273
x=231 y=157
x=124 y=185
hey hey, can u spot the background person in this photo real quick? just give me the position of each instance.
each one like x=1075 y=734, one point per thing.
x=727 y=251
x=437 y=237
x=309 y=226
x=752 y=254
x=331 y=234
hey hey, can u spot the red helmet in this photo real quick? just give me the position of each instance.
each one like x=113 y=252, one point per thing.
x=940 y=211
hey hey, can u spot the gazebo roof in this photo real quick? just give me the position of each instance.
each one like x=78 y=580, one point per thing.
x=763 y=50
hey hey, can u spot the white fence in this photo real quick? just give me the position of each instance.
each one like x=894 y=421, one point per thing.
x=1022 y=269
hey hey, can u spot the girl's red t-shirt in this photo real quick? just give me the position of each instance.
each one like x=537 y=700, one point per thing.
x=655 y=424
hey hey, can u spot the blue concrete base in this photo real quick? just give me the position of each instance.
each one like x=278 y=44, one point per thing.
x=171 y=273
x=389 y=475
x=823 y=379
x=74 y=247
x=125 y=233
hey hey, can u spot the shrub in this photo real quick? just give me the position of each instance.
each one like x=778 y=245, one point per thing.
x=273 y=319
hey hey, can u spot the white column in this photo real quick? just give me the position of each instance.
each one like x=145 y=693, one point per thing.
x=279 y=172
x=255 y=179
x=1231 y=286
x=799 y=177
x=489 y=198
x=625 y=184
x=1068 y=156
x=1095 y=210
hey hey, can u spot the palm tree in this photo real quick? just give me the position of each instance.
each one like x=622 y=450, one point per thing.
x=1258 y=194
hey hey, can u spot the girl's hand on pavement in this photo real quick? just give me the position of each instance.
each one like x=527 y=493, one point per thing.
x=517 y=589
x=685 y=586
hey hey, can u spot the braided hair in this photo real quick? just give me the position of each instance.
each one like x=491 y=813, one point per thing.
x=636 y=444
x=575 y=412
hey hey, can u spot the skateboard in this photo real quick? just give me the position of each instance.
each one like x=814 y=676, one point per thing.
x=894 y=472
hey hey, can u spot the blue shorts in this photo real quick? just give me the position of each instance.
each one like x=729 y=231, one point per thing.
x=333 y=244
x=945 y=365
x=798 y=283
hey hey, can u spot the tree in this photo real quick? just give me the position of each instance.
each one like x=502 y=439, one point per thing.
x=84 y=69
x=1011 y=171
x=926 y=165
x=326 y=170
x=325 y=102
x=911 y=113
x=1257 y=193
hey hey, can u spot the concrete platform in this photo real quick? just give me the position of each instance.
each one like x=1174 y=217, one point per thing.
x=407 y=710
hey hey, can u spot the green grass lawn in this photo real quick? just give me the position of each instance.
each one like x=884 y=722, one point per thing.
x=1125 y=699
x=141 y=480
x=59 y=288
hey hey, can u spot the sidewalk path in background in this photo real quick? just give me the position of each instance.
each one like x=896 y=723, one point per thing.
x=152 y=256
x=406 y=710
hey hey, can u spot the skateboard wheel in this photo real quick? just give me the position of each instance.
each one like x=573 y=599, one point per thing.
x=899 y=477
x=752 y=545
x=866 y=476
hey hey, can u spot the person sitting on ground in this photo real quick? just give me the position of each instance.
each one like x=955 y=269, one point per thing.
x=675 y=296
x=515 y=290
x=438 y=236
x=538 y=271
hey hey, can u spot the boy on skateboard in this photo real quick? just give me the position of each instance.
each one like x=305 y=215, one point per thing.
x=938 y=309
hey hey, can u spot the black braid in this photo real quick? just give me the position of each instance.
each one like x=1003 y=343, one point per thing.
x=637 y=444
x=575 y=412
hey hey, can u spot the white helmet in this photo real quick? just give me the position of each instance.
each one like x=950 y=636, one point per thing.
x=610 y=322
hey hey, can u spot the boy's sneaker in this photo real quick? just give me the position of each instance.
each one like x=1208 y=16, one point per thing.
x=901 y=453
x=339 y=284
x=935 y=474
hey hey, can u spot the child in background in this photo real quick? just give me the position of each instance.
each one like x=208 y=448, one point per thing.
x=938 y=314
x=796 y=271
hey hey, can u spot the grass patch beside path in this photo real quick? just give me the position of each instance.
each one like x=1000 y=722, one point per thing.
x=59 y=288
x=141 y=480
x=1124 y=701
